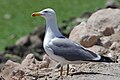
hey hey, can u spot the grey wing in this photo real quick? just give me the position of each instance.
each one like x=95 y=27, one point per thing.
x=70 y=50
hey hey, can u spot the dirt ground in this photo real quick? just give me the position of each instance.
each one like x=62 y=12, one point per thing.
x=89 y=71
x=92 y=71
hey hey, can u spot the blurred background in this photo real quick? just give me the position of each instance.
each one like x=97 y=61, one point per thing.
x=16 y=20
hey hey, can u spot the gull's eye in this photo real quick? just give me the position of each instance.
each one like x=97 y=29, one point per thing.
x=46 y=11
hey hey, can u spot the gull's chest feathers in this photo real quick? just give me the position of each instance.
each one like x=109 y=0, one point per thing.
x=48 y=36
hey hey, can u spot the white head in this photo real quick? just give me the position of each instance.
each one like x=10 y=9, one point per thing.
x=46 y=13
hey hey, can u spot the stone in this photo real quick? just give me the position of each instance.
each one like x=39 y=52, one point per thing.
x=89 y=40
x=18 y=75
x=104 y=22
x=112 y=4
x=28 y=60
x=115 y=46
x=104 y=19
x=50 y=62
x=31 y=63
x=106 y=43
x=115 y=37
x=29 y=68
x=82 y=35
x=8 y=68
x=108 y=31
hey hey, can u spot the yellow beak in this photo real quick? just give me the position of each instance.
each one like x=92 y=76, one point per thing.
x=36 y=14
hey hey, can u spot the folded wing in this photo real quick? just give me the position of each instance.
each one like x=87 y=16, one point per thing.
x=71 y=51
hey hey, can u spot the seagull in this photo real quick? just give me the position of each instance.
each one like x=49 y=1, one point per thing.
x=62 y=49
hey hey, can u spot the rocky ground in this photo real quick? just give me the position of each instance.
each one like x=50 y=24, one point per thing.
x=98 y=31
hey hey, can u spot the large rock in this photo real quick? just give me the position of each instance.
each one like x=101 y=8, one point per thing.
x=104 y=22
x=104 y=19
x=83 y=35
x=7 y=70
x=100 y=31
x=112 y=4
x=31 y=63
x=29 y=69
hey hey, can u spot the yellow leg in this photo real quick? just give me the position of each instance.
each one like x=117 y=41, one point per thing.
x=61 y=70
x=67 y=69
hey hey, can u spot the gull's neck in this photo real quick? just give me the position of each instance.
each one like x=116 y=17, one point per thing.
x=51 y=27
x=52 y=30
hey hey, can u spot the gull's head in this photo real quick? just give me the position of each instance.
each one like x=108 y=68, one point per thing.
x=46 y=13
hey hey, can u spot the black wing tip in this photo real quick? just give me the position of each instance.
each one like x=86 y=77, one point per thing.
x=108 y=59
